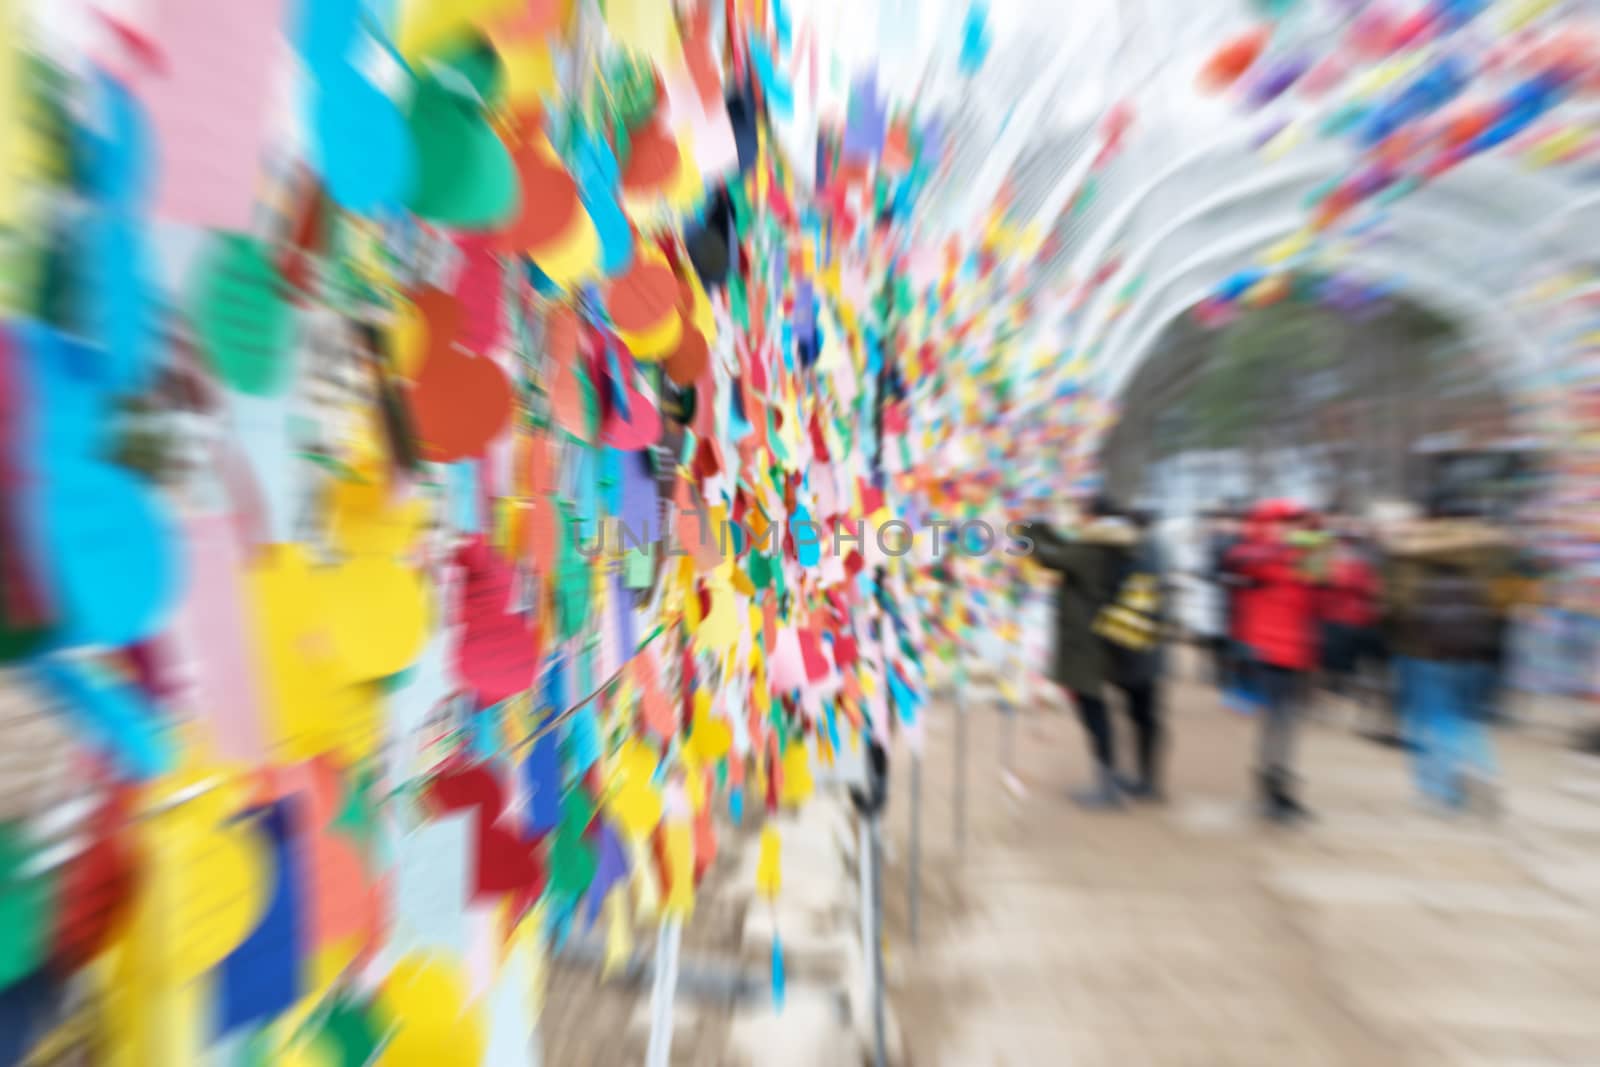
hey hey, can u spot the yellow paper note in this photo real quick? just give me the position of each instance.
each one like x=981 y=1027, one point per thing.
x=637 y=809
x=646 y=26
x=530 y=72
x=680 y=863
x=646 y=891
x=768 y=871
x=433 y=1022
x=797 y=783
x=619 y=939
x=427 y=25
x=376 y=613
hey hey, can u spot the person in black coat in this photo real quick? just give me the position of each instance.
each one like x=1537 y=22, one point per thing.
x=1092 y=562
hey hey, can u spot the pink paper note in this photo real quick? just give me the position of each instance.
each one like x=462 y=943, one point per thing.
x=209 y=631
x=787 y=668
x=479 y=289
x=210 y=103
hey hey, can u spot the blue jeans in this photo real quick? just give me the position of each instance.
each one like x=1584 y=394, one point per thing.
x=1442 y=709
x=1243 y=689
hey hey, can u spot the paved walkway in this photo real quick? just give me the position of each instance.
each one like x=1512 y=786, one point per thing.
x=1192 y=934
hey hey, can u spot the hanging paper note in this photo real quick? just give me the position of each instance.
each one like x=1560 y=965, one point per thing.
x=680 y=867
x=27 y=904
x=209 y=101
x=244 y=320
x=113 y=716
x=797 y=782
x=461 y=402
x=498 y=651
x=780 y=94
x=465 y=177
x=974 y=38
x=208 y=628
x=768 y=871
x=435 y=1022
x=464 y=497
x=779 y=982
x=432 y=887
x=263 y=977
x=542 y=778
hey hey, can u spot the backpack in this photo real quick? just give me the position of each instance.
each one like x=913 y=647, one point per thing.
x=1455 y=617
x=1132 y=620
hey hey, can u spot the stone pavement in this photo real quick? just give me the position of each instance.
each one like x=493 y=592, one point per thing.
x=1192 y=934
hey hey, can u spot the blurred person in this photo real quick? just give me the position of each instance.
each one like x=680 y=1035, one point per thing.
x=1441 y=602
x=1132 y=628
x=1218 y=534
x=1246 y=695
x=1513 y=588
x=1090 y=562
x=1277 y=625
x=1350 y=606
x=1239 y=676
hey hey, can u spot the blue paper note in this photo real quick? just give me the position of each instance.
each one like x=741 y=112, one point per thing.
x=554 y=689
x=122 y=307
x=807 y=538
x=325 y=31
x=367 y=154
x=596 y=172
x=28 y=1010
x=541 y=772
x=779 y=982
x=867 y=121
x=640 y=504
x=464 y=500
x=611 y=869
x=581 y=741
x=611 y=480
x=780 y=94
x=264 y=976
x=433 y=885
x=974 y=38
x=112 y=551
x=623 y=601
x=114 y=717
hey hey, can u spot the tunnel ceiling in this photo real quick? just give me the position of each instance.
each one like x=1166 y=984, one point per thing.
x=1193 y=196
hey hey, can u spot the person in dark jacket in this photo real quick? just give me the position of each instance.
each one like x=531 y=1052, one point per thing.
x=1136 y=669
x=1443 y=614
x=1350 y=609
x=1232 y=660
x=1277 y=622
x=1090 y=565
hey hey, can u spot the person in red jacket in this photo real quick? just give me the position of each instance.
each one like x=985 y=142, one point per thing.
x=1278 y=624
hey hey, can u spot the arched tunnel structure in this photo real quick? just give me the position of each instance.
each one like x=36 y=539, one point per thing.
x=1468 y=249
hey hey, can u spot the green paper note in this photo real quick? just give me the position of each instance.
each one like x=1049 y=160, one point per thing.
x=479 y=64
x=27 y=910
x=465 y=176
x=761 y=570
x=243 y=322
x=639 y=569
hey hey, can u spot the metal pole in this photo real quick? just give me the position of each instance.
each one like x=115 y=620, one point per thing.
x=879 y=1026
x=1008 y=739
x=959 y=794
x=669 y=937
x=915 y=889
